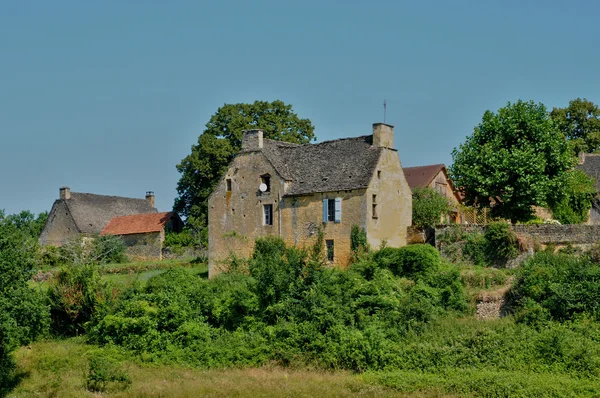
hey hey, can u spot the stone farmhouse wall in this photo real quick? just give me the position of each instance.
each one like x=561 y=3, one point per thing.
x=545 y=234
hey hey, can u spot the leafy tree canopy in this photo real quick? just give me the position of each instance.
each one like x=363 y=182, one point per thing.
x=512 y=160
x=221 y=141
x=580 y=123
x=572 y=200
x=429 y=206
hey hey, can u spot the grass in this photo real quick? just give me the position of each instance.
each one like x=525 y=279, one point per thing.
x=59 y=369
x=127 y=273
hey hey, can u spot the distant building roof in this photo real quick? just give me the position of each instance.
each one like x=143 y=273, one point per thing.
x=591 y=167
x=337 y=165
x=137 y=224
x=92 y=213
x=421 y=176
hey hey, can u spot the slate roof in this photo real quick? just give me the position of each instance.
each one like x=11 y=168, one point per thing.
x=137 y=224
x=92 y=212
x=591 y=167
x=421 y=176
x=337 y=165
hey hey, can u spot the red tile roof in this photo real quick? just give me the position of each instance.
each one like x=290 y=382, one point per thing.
x=137 y=224
x=421 y=176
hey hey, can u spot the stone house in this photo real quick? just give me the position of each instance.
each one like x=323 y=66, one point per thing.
x=74 y=214
x=292 y=191
x=144 y=234
x=435 y=176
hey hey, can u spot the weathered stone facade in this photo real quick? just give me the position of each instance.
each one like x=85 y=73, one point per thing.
x=280 y=189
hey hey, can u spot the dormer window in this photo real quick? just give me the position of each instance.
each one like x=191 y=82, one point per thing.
x=265 y=182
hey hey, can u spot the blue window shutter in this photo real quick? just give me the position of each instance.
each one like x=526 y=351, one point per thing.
x=324 y=210
x=338 y=210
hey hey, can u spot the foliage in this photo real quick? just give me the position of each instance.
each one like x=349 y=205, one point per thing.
x=76 y=296
x=289 y=309
x=500 y=242
x=557 y=286
x=572 y=203
x=178 y=240
x=108 y=249
x=413 y=261
x=104 y=374
x=580 y=123
x=358 y=240
x=511 y=161
x=428 y=207
x=221 y=141
x=27 y=223
x=23 y=315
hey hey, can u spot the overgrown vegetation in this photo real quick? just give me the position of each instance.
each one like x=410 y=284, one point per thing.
x=429 y=207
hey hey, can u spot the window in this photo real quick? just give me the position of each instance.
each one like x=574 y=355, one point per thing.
x=228 y=184
x=379 y=174
x=266 y=179
x=332 y=210
x=374 y=203
x=268 y=210
x=330 y=250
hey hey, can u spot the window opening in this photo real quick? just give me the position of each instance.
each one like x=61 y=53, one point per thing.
x=266 y=179
x=330 y=249
x=374 y=203
x=379 y=174
x=268 y=210
x=228 y=185
x=331 y=210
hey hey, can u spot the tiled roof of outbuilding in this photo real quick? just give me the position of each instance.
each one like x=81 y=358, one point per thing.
x=92 y=212
x=421 y=176
x=337 y=165
x=137 y=224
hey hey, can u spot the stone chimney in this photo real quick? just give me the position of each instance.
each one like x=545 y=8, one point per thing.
x=252 y=140
x=383 y=135
x=64 y=193
x=150 y=197
x=581 y=156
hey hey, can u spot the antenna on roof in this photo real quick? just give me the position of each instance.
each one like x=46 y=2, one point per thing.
x=384 y=109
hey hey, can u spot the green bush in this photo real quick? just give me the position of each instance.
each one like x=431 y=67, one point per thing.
x=428 y=207
x=108 y=249
x=104 y=374
x=501 y=242
x=564 y=286
x=412 y=261
x=76 y=296
x=178 y=240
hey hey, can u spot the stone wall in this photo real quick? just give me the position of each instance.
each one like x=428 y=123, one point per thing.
x=545 y=234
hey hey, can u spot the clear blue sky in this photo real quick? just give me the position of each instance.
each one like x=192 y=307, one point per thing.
x=108 y=96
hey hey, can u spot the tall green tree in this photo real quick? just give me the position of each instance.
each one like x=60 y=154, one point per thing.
x=512 y=160
x=221 y=141
x=580 y=123
x=428 y=207
x=23 y=314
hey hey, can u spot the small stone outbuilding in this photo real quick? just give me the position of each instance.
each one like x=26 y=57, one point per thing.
x=292 y=191
x=74 y=214
x=144 y=234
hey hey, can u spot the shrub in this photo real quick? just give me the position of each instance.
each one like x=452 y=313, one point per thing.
x=565 y=286
x=108 y=249
x=428 y=207
x=76 y=296
x=412 y=261
x=104 y=374
x=358 y=240
x=178 y=240
x=501 y=242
